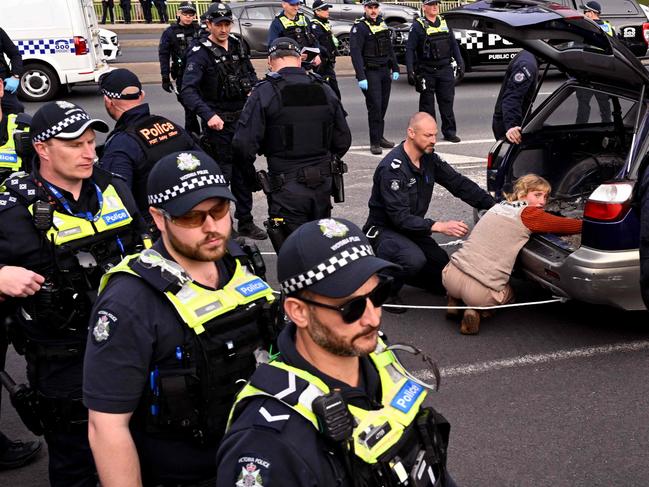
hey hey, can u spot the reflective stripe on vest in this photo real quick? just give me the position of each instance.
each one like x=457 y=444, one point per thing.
x=8 y=157
x=375 y=29
x=325 y=26
x=606 y=26
x=376 y=431
x=66 y=228
x=300 y=21
x=431 y=30
x=195 y=304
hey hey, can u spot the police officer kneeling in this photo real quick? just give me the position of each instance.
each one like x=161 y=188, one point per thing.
x=173 y=334
x=61 y=227
x=292 y=423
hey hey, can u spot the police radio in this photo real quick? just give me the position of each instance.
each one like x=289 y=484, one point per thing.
x=334 y=418
x=43 y=216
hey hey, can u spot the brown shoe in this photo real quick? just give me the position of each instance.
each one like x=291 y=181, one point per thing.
x=470 y=322
x=453 y=314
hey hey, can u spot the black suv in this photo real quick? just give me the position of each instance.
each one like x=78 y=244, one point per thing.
x=485 y=51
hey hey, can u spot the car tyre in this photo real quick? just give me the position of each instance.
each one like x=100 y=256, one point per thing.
x=343 y=45
x=38 y=83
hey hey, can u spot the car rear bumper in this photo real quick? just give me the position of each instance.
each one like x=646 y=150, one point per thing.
x=593 y=276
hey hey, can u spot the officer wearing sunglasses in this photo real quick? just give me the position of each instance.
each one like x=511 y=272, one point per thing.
x=174 y=334
x=335 y=407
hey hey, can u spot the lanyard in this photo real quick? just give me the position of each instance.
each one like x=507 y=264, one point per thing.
x=86 y=215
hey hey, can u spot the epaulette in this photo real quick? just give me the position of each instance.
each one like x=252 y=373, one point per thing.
x=22 y=186
x=273 y=76
x=7 y=200
x=316 y=76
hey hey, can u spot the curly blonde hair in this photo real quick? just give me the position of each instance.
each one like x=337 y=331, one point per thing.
x=526 y=184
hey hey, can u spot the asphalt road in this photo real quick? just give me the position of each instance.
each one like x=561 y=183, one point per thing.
x=547 y=395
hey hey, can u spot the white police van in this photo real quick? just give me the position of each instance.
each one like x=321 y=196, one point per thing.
x=59 y=43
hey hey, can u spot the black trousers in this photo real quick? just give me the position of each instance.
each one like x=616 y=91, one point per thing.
x=377 y=97
x=146 y=10
x=440 y=84
x=297 y=204
x=221 y=150
x=126 y=8
x=162 y=10
x=191 y=119
x=421 y=259
x=329 y=75
x=108 y=8
x=71 y=462
x=583 y=106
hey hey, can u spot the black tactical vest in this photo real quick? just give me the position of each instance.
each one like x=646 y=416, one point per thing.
x=297 y=29
x=180 y=41
x=436 y=48
x=378 y=43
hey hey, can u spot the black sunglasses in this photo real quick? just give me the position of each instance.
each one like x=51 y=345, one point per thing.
x=353 y=309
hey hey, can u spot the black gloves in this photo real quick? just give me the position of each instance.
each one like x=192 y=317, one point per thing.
x=412 y=81
x=166 y=84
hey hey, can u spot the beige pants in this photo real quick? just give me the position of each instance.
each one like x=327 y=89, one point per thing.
x=462 y=286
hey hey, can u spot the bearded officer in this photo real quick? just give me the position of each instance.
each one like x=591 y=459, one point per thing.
x=323 y=413
x=174 y=332
x=174 y=42
x=139 y=138
x=431 y=46
x=376 y=67
x=295 y=119
x=218 y=80
x=321 y=29
x=61 y=227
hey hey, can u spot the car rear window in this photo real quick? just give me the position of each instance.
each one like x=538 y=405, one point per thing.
x=617 y=7
x=585 y=106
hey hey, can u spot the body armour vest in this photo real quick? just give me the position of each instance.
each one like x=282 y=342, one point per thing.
x=378 y=44
x=158 y=136
x=297 y=29
x=390 y=444
x=303 y=126
x=10 y=162
x=606 y=26
x=226 y=328
x=436 y=47
x=83 y=250
x=331 y=42
x=180 y=41
x=233 y=84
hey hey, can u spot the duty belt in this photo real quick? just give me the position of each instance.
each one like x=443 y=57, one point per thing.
x=229 y=117
x=302 y=175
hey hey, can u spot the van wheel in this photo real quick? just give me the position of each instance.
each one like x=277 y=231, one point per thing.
x=38 y=83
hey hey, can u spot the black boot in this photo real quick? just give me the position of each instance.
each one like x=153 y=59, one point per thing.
x=376 y=149
x=19 y=453
x=386 y=144
x=250 y=230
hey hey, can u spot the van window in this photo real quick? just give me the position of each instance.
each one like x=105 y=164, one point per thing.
x=585 y=106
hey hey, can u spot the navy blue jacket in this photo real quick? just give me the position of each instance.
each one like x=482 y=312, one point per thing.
x=416 y=39
x=169 y=49
x=516 y=93
x=327 y=50
x=644 y=235
x=8 y=48
x=201 y=75
x=358 y=36
x=401 y=193
x=249 y=138
x=276 y=30
x=282 y=446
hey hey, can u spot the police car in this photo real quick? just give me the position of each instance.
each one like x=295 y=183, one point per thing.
x=59 y=42
x=588 y=139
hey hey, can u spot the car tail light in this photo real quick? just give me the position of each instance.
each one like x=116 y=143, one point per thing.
x=490 y=160
x=609 y=202
x=645 y=32
x=80 y=46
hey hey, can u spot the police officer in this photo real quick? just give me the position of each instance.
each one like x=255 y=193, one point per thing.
x=174 y=42
x=10 y=73
x=376 y=67
x=161 y=7
x=61 y=227
x=401 y=194
x=294 y=24
x=139 y=138
x=295 y=119
x=217 y=82
x=146 y=11
x=174 y=331
x=319 y=414
x=126 y=10
x=12 y=127
x=592 y=11
x=515 y=97
x=321 y=29
x=431 y=45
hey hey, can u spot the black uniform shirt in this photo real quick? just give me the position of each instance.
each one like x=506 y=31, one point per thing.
x=280 y=446
x=8 y=48
x=401 y=192
x=263 y=100
x=170 y=48
x=144 y=330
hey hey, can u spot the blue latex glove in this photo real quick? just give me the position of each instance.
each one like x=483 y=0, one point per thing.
x=11 y=84
x=395 y=75
x=362 y=84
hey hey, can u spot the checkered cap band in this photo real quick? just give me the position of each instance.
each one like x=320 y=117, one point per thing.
x=325 y=269
x=59 y=127
x=185 y=186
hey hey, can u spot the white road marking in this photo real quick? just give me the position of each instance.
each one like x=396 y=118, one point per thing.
x=441 y=142
x=453 y=159
x=535 y=359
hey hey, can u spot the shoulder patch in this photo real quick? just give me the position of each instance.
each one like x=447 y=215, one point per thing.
x=252 y=471
x=395 y=164
x=104 y=327
x=196 y=48
x=395 y=185
x=519 y=77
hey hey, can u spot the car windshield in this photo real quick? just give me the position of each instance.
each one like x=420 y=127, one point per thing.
x=617 y=7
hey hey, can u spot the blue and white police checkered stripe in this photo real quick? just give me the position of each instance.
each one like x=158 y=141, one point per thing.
x=189 y=185
x=45 y=46
x=470 y=39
